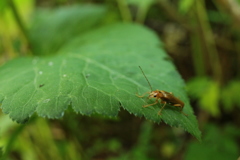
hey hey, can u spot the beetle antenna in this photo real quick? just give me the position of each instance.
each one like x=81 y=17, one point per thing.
x=146 y=78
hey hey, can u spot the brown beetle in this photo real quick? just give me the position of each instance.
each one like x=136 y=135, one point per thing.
x=165 y=97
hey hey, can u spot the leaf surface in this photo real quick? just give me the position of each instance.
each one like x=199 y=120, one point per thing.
x=96 y=73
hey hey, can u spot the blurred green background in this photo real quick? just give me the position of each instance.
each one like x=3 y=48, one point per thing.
x=203 y=40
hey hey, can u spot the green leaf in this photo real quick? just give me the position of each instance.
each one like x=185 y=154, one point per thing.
x=185 y=5
x=209 y=100
x=230 y=95
x=96 y=73
x=197 y=86
x=53 y=28
x=207 y=92
x=218 y=143
x=3 y=5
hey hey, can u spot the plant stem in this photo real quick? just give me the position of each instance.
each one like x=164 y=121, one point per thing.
x=232 y=8
x=12 y=140
x=208 y=40
x=124 y=10
x=198 y=58
x=193 y=28
x=19 y=22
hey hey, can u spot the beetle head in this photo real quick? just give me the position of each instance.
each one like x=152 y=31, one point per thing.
x=155 y=94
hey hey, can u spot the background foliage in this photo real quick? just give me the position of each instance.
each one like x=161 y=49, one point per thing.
x=201 y=38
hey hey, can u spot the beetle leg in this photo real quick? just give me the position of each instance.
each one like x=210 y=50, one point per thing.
x=142 y=95
x=151 y=104
x=181 y=108
x=159 y=112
